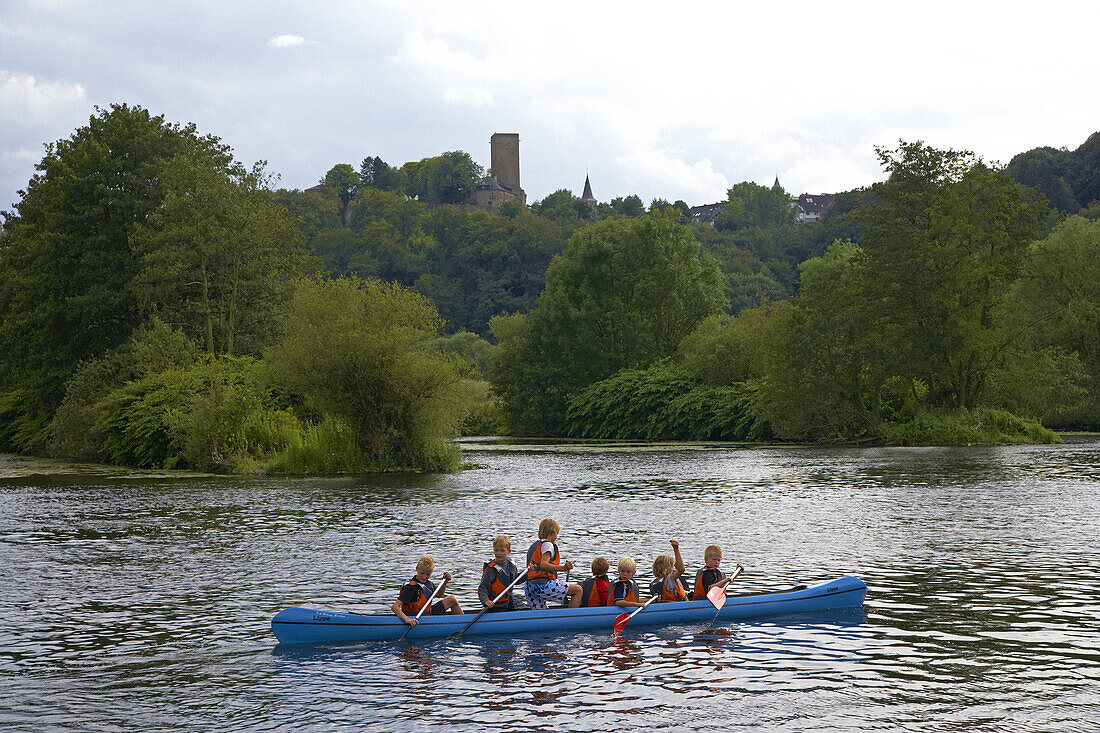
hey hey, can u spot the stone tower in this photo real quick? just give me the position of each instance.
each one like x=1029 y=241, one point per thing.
x=505 y=162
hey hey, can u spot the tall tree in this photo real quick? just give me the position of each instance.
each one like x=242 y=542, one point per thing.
x=343 y=179
x=67 y=258
x=944 y=244
x=449 y=178
x=376 y=173
x=749 y=204
x=218 y=259
x=362 y=350
x=622 y=295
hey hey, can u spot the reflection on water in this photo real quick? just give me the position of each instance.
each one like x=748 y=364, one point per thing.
x=138 y=601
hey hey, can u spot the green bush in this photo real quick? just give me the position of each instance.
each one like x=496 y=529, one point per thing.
x=325 y=448
x=363 y=350
x=154 y=347
x=664 y=403
x=217 y=415
x=484 y=415
x=963 y=427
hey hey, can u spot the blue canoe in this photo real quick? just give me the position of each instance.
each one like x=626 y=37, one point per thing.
x=308 y=626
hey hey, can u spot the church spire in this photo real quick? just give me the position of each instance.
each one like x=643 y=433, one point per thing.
x=587 y=196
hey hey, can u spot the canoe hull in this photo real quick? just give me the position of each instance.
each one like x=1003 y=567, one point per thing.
x=309 y=626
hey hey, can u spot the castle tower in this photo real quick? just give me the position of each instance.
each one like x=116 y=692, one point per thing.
x=505 y=162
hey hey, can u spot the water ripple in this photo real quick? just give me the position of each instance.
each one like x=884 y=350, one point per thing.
x=138 y=601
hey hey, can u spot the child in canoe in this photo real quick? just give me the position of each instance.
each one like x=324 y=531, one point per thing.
x=626 y=593
x=415 y=593
x=543 y=586
x=596 y=591
x=710 y=574
x=667 y=571
x=497 y=575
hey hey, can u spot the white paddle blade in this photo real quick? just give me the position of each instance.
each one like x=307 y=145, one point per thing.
x=717 y=596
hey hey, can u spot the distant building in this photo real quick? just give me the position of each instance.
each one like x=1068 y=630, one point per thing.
x=502 y=182
x=707 y=213
x=587 y=196
x=809 y=207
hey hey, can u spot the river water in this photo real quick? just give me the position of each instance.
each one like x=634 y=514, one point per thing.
x=143 y=601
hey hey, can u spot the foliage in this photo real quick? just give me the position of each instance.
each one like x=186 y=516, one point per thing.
x=1058 y=299
x=216 y=258
x=724 y=350
x=376 y=173
x=628 y=205
x=469 y=348
x=67 y=258
x=752 y=205
x=479 y=265
x=218 y=414
x=358 y=349
x=327 y=447
x=154 y=347
x=966 y=427
x=1050 y=384
x=622 y=295
x=483 y=414
x=1069 y=179
x=449 y=178
x=1045 y=170
x=944 y=246
x=822 y=362
x=562 y=207
x=473 y=265
x=662 y=403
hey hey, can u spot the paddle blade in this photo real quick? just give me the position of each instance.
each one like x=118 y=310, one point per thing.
x=717 y=596
x=620 y=623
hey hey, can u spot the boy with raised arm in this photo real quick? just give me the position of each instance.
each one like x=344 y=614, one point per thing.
x=667 y=571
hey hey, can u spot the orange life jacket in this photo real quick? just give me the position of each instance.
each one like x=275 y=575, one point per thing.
x=658 y=588
x=496 y=587
x=704 y=579
x=422 y=593
x=629 y=590
x=534 y=555
x=593 y=595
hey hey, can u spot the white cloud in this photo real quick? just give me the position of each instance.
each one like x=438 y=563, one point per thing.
x=660 y=170
x=286 y=41
x=25 y=98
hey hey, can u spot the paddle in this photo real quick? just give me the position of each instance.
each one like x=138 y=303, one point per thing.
x=717 y=593
x=503 y=593
x=423 y=608
x=622 y=618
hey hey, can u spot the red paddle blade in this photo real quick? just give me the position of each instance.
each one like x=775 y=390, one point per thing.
x=717 y=596
x=620 y=623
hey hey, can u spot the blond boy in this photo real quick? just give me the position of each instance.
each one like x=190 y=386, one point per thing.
x=666 y=572
x=496 y=576
x=543 y=587
x=626 y=593
x=419 y=590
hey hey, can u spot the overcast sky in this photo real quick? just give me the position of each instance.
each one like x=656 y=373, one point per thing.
x=678 y=100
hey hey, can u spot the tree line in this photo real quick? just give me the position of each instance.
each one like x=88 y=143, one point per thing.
x=162 y=304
